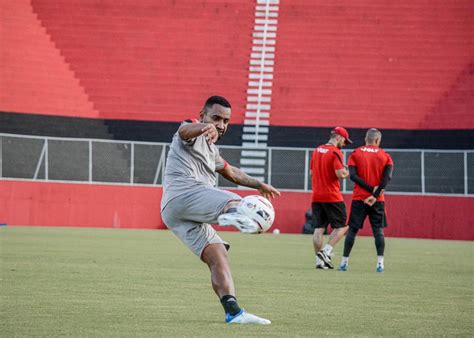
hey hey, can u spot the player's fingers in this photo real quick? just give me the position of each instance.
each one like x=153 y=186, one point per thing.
x=206 y=128
x=210 y=135
x=205 y=133
x=213 y=139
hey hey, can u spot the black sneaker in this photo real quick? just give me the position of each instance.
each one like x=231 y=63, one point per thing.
x=326 y=259
x=321 y=266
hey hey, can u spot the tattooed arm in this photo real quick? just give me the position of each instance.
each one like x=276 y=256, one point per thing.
x=239 y=177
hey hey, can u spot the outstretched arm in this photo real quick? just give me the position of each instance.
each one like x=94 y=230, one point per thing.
x=192 y=130
x=239 y=177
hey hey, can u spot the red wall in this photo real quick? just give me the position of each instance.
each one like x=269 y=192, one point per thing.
x=394 y=64
x=87 y=205
x=35 y=78
x=125 y=59
x=405 y=64
x=81 y=205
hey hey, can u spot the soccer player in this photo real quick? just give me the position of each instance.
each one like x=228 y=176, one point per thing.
x=191 y=202
x=370 y=168
x=327 y=169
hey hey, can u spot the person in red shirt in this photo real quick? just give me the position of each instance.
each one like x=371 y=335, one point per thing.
x=327 y=168
x=370 y=168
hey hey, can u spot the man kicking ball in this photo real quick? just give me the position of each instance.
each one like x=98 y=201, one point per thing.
x=191 y=202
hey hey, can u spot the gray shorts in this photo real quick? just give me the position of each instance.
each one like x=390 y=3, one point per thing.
x=189 y=216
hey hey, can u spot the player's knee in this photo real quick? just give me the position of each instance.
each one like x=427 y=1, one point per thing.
x=319 y=231
x=343 y=229
x=353 y=231
x=215 y=255
x=377 y=231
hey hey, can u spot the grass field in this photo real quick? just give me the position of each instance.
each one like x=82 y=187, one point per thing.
x=117 y=282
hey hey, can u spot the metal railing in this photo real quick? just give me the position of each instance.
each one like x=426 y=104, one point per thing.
x=53 y=159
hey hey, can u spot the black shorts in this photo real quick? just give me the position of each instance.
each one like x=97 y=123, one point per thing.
x=329 y=213
x=360 y=211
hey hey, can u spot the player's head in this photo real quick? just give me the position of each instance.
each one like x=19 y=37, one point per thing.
x=373 y=137
x=216 y=110
x=340 y=137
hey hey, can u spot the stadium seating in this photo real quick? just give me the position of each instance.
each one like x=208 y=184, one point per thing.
x=35 y=77
x=403 y=65
x=144 y=61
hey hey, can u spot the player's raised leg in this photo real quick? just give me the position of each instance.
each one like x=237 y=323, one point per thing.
x=252 y=214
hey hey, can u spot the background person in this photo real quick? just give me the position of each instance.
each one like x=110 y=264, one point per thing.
x=327 y=169
x=370 y=168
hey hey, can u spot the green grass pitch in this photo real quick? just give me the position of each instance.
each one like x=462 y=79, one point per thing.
x=117 y=282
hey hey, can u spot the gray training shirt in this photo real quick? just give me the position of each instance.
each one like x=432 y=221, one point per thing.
x=190 y=165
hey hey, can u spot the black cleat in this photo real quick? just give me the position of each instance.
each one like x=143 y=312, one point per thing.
x=321 y=266
x=326 y=259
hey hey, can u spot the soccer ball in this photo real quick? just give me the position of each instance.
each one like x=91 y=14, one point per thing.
x=259 y=209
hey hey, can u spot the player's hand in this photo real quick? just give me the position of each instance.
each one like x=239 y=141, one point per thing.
x=370 y=201
x=267 y=191
x=210 y=133
x=381 y=190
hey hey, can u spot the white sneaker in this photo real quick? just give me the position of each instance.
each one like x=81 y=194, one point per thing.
x=246 y=318
x=244 y=223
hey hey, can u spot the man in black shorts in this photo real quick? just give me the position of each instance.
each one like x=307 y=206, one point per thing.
x=370 y=168
x=327 y=168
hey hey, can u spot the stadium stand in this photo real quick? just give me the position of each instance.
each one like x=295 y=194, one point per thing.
x=35 y=78
x=352 y=61
x=137 y=60
x=402 y=65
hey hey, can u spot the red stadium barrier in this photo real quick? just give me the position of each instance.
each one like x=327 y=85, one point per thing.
x=90 y=205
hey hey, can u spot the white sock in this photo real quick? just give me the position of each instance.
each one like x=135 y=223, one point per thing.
x=380 y=260
x=327 y=249
x=345 y=260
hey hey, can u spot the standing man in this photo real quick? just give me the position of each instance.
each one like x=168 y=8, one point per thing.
x=327 y=168
x=191 y=202
x=370 y=168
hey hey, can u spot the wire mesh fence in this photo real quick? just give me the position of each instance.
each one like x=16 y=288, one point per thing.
x=416 y=171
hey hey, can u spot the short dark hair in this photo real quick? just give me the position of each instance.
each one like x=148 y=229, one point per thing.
x=216 y=100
